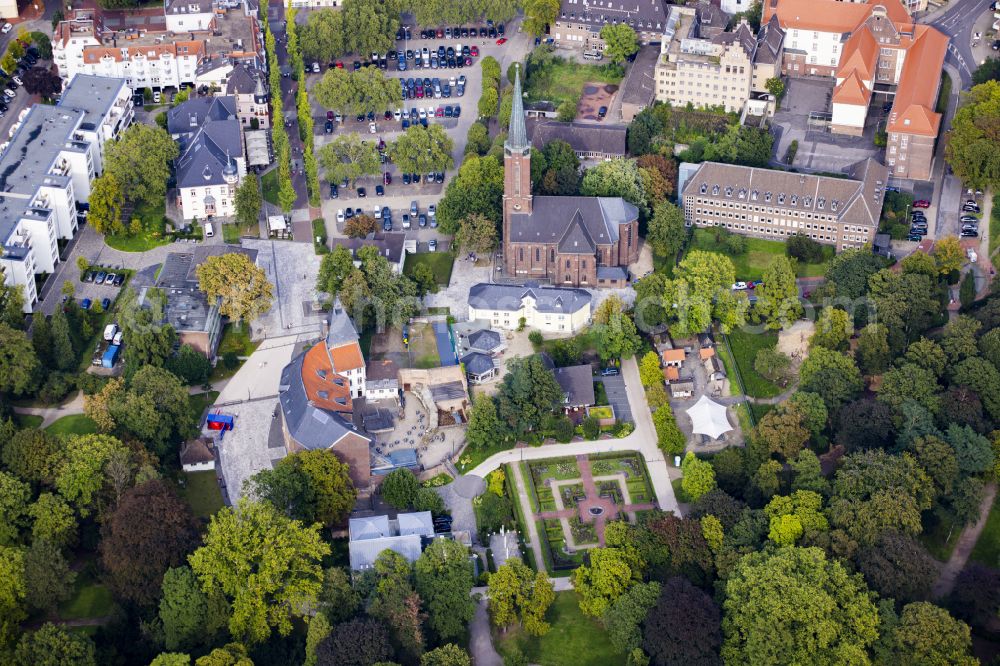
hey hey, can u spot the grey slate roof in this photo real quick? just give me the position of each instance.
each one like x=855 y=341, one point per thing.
x=477 y=363
x=187 y=307
x=741 y=35
x=642 y=15
x=485 y=296
x=576 y=240
x=93 y=95
x=577 y=383
x=517 y=136
x=388 y=243
x=187 y=117
x=374 y=534
x=582 y=137
x=370 y=527
x=365 y=552
x=484 y=340
x=209 y=153
x=417 y=522
x=342 y=331
x=769 y=41
x=242 y=81
x=310 y=426
x=550 y=217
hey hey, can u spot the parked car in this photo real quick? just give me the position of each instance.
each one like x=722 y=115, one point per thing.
x=609 y=372
x=105 y=303
x=422 y=220
x=119 y=279
x=99 y=279
x=432 y=245
x=602 y=112
x=921 y=203
x=739 y=286
x=379 y=191
x=362 y=193
x=334 y=192
x=969 y=234
x=329 y=127
x=89 y=277
x=341 y=218
x=7 y=27
x=85 y=303
x=406 y=220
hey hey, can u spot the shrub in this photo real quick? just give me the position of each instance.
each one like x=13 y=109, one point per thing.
x=230 y=360
x=803 y=248
x=591 y=428
x=561 y=428
x=535 y=337
x=399 y=489
x=736 y=244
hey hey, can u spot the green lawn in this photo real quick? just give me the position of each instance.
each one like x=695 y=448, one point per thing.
x=563 y=80
x=91 y=600
x=73 y=424
x=423 y=347
x=745 y=347
x=751 y=264
x=27 y=421
x=939 y=537
x=945 y=94
x=987 y=550
x=440 y=264
x=995 y=224
x=201 y=490
x=152 y=234
x=236 y=338
x=269 y=183
x=574 y=640
x=201 y=401
x=472 y=455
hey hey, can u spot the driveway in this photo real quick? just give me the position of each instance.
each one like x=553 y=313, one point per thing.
x=292 y=268
x=617 y=397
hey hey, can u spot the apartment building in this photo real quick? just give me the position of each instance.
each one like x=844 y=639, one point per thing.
x=579 y=22
x=770 y=204
x=46 y=169
x=549 y=309
x=187 y=42
x=861 y=46
x=247 y=86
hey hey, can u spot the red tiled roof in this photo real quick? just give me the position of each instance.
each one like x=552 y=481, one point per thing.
x=916 y=96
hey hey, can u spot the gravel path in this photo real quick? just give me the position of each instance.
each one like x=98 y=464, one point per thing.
x=966 y=542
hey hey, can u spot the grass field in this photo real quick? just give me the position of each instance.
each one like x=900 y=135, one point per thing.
x=939 y=537
x=236 y=338
x=995 y=224
x=745 y=347
x=574 y=640
x=26 y=421
x=563 y=80
x=472 y=455
x=751 y=264
x=90 y=600
x=152 y=230
x=440 y=264
x=201 y=490
x=987 y=550
x=73 y=424
x=269 y=184
x=423 y=347
x=201 y=401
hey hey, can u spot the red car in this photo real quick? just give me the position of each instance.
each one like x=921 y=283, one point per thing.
x=340 y=65
x=921 y=203
x=439 y=113
x=501 y=41
x=475 y=51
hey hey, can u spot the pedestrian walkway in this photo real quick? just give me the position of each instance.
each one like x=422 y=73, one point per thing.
x=53 y=413
x=963 y=548
x=522 y=497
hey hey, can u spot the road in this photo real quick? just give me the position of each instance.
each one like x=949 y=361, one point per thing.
x=289 y=88
x=642 y=439
x=957 y=21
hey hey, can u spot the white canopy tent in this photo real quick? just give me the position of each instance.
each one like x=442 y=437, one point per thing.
x=709 y=418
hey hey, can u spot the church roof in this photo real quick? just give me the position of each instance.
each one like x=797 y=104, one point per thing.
x=576 y=240
x=517 y=136
x=551 y=218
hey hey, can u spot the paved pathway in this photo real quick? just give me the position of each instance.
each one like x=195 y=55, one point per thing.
x=966 y=542
x=55 y=412
x=642 y=439
x=522 y=497
x=480 y=641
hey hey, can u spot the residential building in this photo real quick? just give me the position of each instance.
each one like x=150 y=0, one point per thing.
x=198 y=455
x=187 y=42
x=704 y=72
x=211 y=163
x=480 y=367
x=577 y=384
x=390 y=244
x=197 y=321
x=247 y=86
x=8 y=9
x=381 y=380
x=570 y=241
x=768 y=56
x=407 y=535
x=765 y=203
x=863 y=46
x=590 y=141
x=484 y=341
x=45 y=171
x=639 y=88
x=579 y=22
x=547 y=309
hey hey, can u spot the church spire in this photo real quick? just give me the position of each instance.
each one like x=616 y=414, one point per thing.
x=517 y=135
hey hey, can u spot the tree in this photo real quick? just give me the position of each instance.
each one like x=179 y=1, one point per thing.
x=793 y=605
x=248 y=202
x=741 y=144
x=54 y=646
x=958 y=339
x=927 y=354
x=334 y=269
x=446 y=655
x=485 y=428
x=423 y=149
x=190 y=366
x=849 y=272
x=865 y=424
x=830 y=374
x=910 y=383
x=778 y=298
x=976 y=595
x=659 y=174
x=171 y=659
x=898 y=567
x=667 y=233
x=982 y=377
x=43 y=82
x=617 y=337
x=623 y=620
x=443 y=575
x=793 y=516
x=366 y=90
x=775 y=86
x=601 y=583
x=808 y=474
x=701 y=291
x=399 y=488
x=489 y=103
x=190 y=617
x=833 y=329
x=614 y=178
x=527 y=393
x=973 y=452
x=12 y=593
x=348 y=157
x=668 y=436
x=14 y=496
x=649 y=370
x=47 y=577
x=140 y=159
x=395 y=602
x=516 y=594
x=81 y=475
x=620 y=41
x=358 y=642
x=52 y=520
x=322 y=36
x=242 y=286
x=812 y=409
x=967 y=292
x=555 y=169
x=927 y=634
x=684 y=627
x=255 y=537
x=18 y=362
x=107 y=197
x=476 y=189
x=478 y=234
x=150 y=531
x=772 y=364
x=782 y=432
x=699 y=477
x=231 y=654
x=873 y=353
x=539 y=14
x=338 y=600
x=989 y=346
x=477 y=141
x=970 y=151
x=360 y=226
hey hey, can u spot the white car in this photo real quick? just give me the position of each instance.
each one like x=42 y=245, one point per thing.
x=431 y=210
x=340 y=216
x=398 y=114
x=17 y=80
x=7 y=27
x=422 y=113
x=739 y=286
x=452 y=82
x=315 y=68
x=371 y=128
x=156 y=97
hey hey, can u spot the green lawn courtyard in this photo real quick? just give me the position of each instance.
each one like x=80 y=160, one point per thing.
x=440 y=264
x=73 y=424
x=152 y=233
x=201 y=491
x=423 y=347
x=563 y=80
x=269 y=184
x=745 y=347
x=574 y=640
x=91 y=600
x=751 y=264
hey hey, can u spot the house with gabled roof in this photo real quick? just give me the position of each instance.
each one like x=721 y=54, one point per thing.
x=548 y=309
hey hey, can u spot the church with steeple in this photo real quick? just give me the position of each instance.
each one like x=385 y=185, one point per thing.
x=567 y=241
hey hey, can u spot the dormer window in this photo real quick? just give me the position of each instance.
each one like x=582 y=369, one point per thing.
x=322 y=373
x=754 y=195
x=742 y=193
x=715 y=190
x=704 y=188
x=323 y=394
x=795 y=199
x=833 y=205
x=781 y=197
x=767 y=197
x=807 y=201
x=729 y=192
x=821 y=203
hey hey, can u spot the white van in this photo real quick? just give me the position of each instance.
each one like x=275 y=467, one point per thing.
x=109 y=332
x=593 y=55
x=209 y=231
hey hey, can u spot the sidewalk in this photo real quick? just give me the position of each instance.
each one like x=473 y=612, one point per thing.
x=963 y=548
